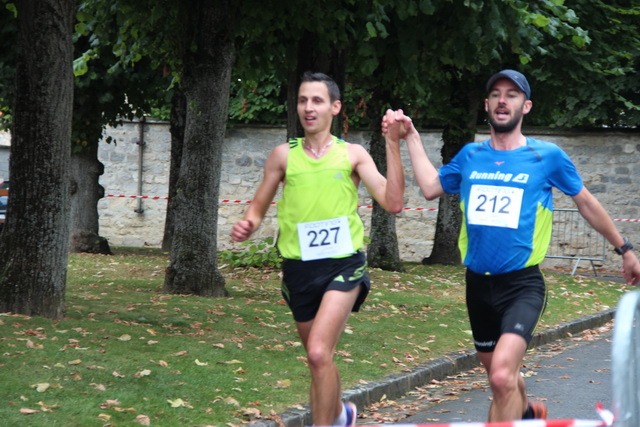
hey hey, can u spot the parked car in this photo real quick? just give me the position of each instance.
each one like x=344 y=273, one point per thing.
x=4 y=199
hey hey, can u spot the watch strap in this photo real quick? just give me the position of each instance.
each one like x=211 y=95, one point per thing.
x=626 y=247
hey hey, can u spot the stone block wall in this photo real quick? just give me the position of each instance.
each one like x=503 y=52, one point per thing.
x=608 y=162
x=5 y=144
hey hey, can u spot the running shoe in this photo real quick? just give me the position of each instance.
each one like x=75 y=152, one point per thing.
x=352 y=414
x=539 y=410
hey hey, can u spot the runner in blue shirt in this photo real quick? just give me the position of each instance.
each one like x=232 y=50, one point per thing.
x=505 y=186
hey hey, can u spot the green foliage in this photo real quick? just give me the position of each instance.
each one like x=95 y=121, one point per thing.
x=5 y=115
x=161 y=112
x=593 y=81
x=110 y=87
x=257 y=101
x=262 y=254
x=8 y=35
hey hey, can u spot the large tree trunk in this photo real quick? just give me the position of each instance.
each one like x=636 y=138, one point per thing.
x=383 y=251
x=35 y=241
x=193 y=268
x=465 y=99
x=86 y=191
x=177 y=125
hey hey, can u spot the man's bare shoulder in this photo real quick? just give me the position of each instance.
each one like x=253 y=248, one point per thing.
x=278 y=156
x=356 y=148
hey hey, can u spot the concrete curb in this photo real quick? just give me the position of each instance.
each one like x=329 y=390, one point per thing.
x=397 y=385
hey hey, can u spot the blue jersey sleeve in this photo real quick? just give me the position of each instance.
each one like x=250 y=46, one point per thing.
x=450 y=177
x=562 y=173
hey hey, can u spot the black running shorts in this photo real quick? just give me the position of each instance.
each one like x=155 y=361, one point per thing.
x=504 y=303
x=305 y=282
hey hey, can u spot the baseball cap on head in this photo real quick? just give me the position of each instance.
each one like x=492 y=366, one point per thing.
x=516 y=77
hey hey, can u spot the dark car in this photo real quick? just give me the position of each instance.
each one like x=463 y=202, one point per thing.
x=4 y=199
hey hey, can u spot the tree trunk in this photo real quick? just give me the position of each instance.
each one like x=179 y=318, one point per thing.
x=294 y=128
x=465 y=100
x=382 y=251
x=177 y=124
x=445 y=244
x=193 y=268
x=86 y=191
x=35 y=243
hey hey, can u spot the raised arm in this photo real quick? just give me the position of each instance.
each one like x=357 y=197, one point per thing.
x=592 y=211
x=396 y=126
x=388 y=191
x=274 y=170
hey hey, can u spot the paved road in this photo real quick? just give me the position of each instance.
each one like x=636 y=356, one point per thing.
x=570 y=376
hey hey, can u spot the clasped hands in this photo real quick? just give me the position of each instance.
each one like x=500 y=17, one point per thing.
x=396 y=125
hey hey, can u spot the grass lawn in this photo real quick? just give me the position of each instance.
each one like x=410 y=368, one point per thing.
x=128 y=354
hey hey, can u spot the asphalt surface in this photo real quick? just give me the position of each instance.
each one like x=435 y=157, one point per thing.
x=570 y=376
x=585 y=384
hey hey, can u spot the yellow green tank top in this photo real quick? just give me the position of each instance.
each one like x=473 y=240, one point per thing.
x=316 y=190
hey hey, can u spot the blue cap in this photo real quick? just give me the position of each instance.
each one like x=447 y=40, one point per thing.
x=516 y=77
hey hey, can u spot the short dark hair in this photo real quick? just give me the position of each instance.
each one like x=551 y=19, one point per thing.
x=334 y=90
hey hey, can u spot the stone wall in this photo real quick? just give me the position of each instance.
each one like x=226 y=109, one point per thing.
x=608 y=162
x=5 y=143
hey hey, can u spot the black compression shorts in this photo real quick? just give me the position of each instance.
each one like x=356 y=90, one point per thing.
x=305 y=282
x=504 y=303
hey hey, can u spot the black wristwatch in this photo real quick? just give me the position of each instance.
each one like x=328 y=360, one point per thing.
x=626 y=246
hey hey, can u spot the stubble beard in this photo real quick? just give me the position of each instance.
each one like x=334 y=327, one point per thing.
x=505 y=127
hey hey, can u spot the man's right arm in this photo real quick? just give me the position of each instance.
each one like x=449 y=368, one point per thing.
x=424 y=171
x=274 y=171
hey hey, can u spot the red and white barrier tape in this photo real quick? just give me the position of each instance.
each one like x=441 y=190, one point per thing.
x=606 y=420
x=273 y=203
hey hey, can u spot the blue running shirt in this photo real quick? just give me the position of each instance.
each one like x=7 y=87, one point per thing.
x=507 y=202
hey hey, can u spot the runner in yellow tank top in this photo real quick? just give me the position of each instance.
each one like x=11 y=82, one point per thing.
x=318 y=191
x=321 y=234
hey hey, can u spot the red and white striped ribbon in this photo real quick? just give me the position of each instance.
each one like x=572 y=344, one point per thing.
x=273 y=203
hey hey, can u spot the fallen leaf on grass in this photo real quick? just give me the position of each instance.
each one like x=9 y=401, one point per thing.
x=230 y=362
x=125 y=337
x=251 y=413
x=47 y=408
x=143 y=373
x=231 y=401
x=199 y=363
x=283 y=383
x=143 y=420
x=31 y=344
x=179 y=403
x=41 y=387
x=27 y=411
x=109 y=403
